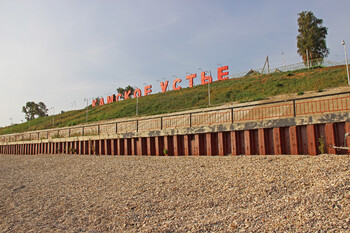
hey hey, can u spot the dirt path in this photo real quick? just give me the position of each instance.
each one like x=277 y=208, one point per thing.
x=174 y=194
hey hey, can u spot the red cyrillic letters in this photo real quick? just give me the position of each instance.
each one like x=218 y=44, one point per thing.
x=205 y=79
x=221 y=73
x=117 y=97
x=102 y=102
x=94 y=102
x=190 y=78
x=137 y=92
x=178 y=80
x=126 y=94
x=148 y=90
x=110 y=99
x=164 y=86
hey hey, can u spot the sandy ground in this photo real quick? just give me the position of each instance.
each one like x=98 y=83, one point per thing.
x=67 y=193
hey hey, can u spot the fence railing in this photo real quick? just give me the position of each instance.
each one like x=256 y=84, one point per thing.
x=337 y=102
x=290 y=67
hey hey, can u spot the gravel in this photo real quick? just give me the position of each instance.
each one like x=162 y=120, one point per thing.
x=71 y=193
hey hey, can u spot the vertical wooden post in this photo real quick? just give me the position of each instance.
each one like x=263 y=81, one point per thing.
x=112 y=146
x=149 y=146
x=126 y=152
x=221 y=143
x=95 y=151
x=49 y=148
x=67 y=147
x=233 y=136
x=293 y=140
x=156 y=141
x=166 y=144
x=81 y=147
x=100 y=146
x=347 y=139
x=196 y=144
x=311 y=140
x=262 y=146
x=133 y=146
x=89 y=147
x=330 y=138
x=208 y=144
x=186 y=145
x=106 y=146
x=176 y=149
x=118 y=147
x=247 y=142
x=139 y=146
x=277 y=140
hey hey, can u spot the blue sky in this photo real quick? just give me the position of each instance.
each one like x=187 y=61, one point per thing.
x=61 y=51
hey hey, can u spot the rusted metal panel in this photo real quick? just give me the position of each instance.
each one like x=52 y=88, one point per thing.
x=330 y=138
x=262 y=146
x=311 y=140
x=277 y=141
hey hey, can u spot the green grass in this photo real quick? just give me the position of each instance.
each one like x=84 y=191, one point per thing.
x=241 y=90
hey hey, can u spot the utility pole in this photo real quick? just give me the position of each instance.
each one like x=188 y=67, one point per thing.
x=53 y=115
x=346 y=60
x=208 y=83
x=268 y=65
x=137 y=105
x=87 y=108
x=209 y=88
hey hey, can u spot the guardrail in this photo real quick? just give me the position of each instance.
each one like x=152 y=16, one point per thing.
x=252 y=112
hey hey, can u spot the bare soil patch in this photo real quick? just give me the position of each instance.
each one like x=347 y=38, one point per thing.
x=66 y=193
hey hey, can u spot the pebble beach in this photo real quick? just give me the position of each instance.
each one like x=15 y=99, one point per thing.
x=76 y=193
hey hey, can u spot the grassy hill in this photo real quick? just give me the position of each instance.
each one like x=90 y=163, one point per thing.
x=244 y=89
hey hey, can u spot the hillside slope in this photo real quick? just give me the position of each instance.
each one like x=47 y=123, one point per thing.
x=258 y=87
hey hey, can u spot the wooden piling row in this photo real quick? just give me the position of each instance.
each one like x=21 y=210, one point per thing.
x=310 y=139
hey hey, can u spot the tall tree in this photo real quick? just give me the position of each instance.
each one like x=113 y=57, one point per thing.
x=41 y=110
x=131 y=89
x=31 y=109
x=121 y=91
x=312 y=36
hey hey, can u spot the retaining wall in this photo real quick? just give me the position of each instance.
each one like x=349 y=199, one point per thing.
x=299 y=126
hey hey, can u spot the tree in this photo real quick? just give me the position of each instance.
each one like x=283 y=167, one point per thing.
x=121 y=91
x=312 y=37
x=32 y=109
x=41 y=109
x=131 y=89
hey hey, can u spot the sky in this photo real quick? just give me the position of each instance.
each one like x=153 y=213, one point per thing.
x=62 y=51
